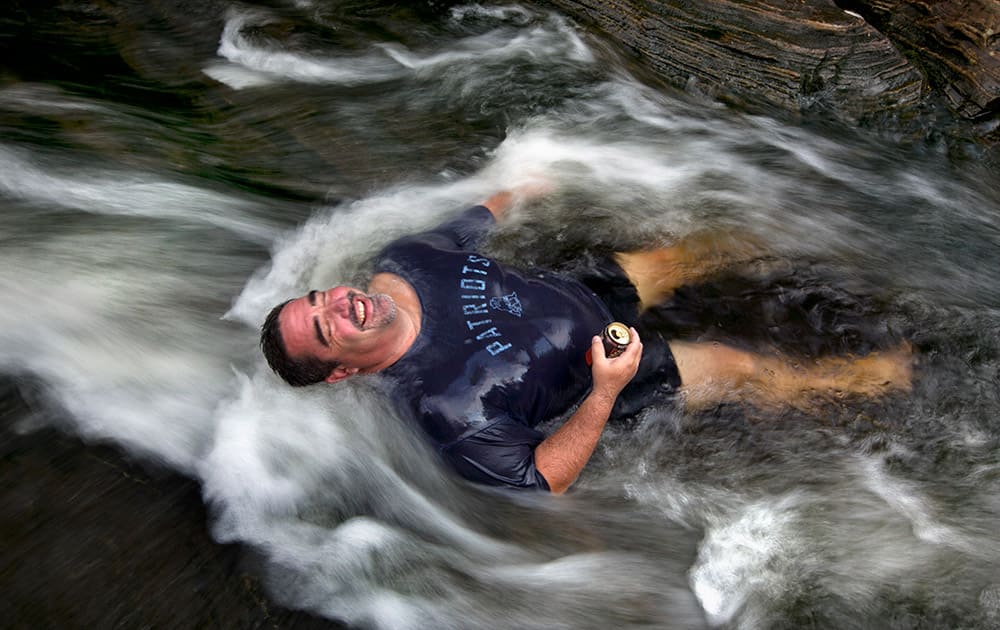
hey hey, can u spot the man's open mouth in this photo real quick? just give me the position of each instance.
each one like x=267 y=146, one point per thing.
x=379 y=309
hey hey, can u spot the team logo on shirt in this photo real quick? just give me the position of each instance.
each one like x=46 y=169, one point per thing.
x=473 y=286
x=507 y=303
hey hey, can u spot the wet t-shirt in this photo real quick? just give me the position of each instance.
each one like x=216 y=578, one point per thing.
x=499 y=350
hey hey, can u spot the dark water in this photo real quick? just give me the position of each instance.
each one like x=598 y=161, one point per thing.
x=168 y=171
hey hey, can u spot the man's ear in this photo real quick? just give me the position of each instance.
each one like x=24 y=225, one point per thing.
x=339 y=373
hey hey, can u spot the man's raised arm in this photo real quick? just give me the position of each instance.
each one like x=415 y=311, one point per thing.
x=501 y=201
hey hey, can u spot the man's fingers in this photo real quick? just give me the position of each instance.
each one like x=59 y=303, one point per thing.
x=636 y=342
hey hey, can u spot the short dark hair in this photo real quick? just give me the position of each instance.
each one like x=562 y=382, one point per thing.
x=296 y=372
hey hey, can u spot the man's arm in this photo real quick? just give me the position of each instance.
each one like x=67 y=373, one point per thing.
x=561 y=456
x=500 y=202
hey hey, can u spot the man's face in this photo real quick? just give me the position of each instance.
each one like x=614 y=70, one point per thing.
x=341 y=324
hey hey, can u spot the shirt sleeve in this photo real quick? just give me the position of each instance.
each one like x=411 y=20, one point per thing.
x=468 y=228
x=502 y=454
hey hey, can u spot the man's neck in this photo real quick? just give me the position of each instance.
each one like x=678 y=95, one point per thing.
x=409 y=313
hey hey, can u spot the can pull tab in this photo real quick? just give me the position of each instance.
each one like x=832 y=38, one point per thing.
x=616 y=338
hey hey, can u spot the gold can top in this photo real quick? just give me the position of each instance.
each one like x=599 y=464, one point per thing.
x=617 y=333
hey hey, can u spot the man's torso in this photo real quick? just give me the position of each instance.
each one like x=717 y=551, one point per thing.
x=497 y=346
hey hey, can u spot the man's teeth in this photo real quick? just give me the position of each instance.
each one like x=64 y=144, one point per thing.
x=359 y=311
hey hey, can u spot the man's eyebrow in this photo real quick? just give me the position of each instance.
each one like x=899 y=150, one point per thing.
x=312 y=297
x=319 y=332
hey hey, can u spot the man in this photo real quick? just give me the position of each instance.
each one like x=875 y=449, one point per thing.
x=482 y=352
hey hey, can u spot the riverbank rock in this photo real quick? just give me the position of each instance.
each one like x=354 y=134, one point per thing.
x=860 y=60
x=955 y=43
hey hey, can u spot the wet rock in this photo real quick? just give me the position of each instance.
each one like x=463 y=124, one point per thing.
x=858 y=60
x=957 y=45
x=789 y=54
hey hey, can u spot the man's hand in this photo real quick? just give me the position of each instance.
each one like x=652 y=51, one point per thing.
x=562 y=455
x=611 y=375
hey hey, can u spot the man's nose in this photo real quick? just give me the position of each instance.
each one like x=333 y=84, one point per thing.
x=339 y=305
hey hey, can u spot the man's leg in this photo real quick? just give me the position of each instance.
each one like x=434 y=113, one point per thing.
x=656 y=273
x=712 y=373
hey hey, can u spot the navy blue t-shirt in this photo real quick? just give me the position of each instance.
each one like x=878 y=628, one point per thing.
x=499 y=350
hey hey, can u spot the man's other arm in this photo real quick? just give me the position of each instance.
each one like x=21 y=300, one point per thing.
x=501 y=201
x=561 y=456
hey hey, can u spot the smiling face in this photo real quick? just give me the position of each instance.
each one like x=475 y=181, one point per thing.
x=342 y=325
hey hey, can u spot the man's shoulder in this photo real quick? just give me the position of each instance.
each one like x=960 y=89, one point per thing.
x=463 y=231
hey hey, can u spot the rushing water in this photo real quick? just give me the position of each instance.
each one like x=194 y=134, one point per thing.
x=168 y=171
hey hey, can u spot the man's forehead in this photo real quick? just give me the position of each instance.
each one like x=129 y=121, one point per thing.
x=294 y=307
x=296 y=327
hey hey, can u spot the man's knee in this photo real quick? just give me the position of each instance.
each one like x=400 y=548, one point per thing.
x=701 y=364
x=655 y=274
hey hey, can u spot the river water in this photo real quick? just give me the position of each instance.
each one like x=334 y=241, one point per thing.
x=170 y=170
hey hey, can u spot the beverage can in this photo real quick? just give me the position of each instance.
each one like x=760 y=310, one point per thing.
x=616 y=338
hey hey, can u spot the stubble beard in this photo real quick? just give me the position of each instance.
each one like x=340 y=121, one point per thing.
x=385 y=311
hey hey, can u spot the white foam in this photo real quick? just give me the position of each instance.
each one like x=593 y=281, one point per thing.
x=907 y=500
x=251 y=65
x=238 y=77
x=124 y=194
x=512 y=13
x=744 y=557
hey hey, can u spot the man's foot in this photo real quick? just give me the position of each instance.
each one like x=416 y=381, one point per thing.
x=876 y=373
